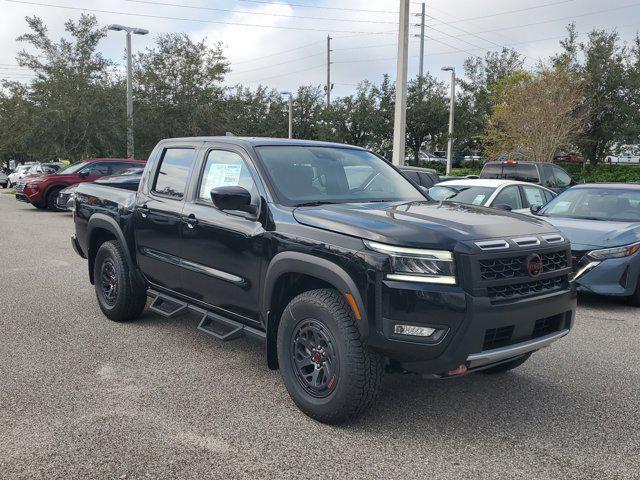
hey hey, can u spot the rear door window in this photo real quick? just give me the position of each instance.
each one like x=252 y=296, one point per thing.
x=509 y=196
x=549 y=178
x=534 y=196
x=172 y=176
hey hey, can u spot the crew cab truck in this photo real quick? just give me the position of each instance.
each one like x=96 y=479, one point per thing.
x=332 y=257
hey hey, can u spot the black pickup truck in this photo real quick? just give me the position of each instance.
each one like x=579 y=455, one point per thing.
x=332 y=257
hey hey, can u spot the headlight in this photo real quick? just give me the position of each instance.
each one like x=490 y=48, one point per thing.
x=616 y=252
x=32 y=186
x=418 y=265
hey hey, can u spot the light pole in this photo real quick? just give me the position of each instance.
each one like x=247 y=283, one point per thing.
x=452 y=106
x=136 y=31
x=290 y=112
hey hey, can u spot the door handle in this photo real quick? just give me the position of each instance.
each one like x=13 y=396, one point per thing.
x=191 y=220
x=144 y=210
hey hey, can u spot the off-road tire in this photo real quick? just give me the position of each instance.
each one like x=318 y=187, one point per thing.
x=130 y=298
x=52 y=195
x=357 y=370
x=505 y=367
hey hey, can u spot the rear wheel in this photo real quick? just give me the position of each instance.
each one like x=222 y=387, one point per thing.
x=330 y=375
x=120 y=298
x=505 y=367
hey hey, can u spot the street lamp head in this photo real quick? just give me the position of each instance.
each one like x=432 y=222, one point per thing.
x=285 y=93
x=448 y=69
x=121 y=28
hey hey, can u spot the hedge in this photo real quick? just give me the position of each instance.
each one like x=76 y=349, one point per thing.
x=600 y=173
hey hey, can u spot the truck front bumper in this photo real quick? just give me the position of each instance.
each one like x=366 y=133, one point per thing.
x=471 y=332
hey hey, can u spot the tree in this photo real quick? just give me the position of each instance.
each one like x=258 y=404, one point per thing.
x=178 y=90
x=427 y=114
x=477 y=92
x=71 y=105
x=259 y=112
x=534 y=114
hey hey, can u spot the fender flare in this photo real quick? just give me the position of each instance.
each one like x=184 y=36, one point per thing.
x=320 y=268
x=105 y=222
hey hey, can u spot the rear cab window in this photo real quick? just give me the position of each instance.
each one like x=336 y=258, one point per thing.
x=523 y=172
x=173 y=172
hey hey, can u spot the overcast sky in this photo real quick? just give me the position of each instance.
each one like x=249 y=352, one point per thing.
x=283 y=47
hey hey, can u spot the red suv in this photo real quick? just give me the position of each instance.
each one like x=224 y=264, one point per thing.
x=41 y=191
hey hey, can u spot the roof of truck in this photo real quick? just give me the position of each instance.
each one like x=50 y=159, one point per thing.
x=260 y=141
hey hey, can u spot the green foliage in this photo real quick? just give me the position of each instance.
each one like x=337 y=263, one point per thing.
x=602 y=173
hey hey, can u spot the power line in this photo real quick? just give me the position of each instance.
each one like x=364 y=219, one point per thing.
x=164 y=17
x=281 y=15
x=268 y=2
x=285 y=74
x=505 y=12
x=279 y=53
x=278 y=64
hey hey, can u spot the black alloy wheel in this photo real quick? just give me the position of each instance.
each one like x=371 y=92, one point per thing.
x=109 y=281
x=314 y=356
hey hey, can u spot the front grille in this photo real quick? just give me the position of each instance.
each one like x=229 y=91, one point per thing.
x=20 y=187
x=497 y=337
x=545 y=326
x=513 y=267
x=521 y=290
x=577 y=256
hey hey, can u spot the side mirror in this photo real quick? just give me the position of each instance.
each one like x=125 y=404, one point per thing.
x=232 y=198
x=84 y=174
x=503 y=206
x=535 y=209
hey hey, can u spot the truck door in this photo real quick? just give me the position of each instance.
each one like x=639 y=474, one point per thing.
x=157 y=217
x=222 y=250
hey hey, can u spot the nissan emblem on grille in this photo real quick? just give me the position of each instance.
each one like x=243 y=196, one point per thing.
x=533 y=265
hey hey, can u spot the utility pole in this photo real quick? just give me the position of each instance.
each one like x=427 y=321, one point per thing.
x=290 y=112
x=129 y=31
x=421 y=25
x=452 y=106
x=329 y=86
x=400 y=116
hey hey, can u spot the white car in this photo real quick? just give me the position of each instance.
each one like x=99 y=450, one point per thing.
x=503 y=194
x=18 y=174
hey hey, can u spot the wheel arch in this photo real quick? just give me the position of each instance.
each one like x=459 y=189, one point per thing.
x=291 y=273
x=102 y=228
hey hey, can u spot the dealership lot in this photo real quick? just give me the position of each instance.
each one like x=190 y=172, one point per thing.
x=83 y=397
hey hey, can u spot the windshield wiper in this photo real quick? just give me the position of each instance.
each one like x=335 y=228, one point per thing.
x=315 y=203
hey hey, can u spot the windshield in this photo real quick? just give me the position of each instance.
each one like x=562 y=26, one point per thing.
x=460 y=193
x=72 y=168
x=311 y=174
x=596 y=204
x=132 y=171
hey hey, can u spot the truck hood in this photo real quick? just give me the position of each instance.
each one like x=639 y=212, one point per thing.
x=420 y=224
x=588 y=234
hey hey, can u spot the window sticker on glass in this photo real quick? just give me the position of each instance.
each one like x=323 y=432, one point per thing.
x=479 y=200
x=223 y=175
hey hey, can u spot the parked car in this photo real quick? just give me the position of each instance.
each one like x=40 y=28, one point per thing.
x=18 y=173
x=629 y=155
x=4 y=180
x=42 y=192
x=565 y=157
x=548 y=175
x=342 y=277
x=602 y=221
x=128 y=179
x=503 y=194
x=424 y=177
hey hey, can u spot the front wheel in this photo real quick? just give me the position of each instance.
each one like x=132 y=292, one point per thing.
x=52 y=196
x=120 y=298
x=330 y=375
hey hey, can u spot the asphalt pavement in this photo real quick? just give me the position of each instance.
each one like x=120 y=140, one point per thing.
x=83 y=397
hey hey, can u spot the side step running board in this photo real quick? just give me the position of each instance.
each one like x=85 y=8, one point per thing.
x=220 y=327
x=214 y=324
x=168 y=307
